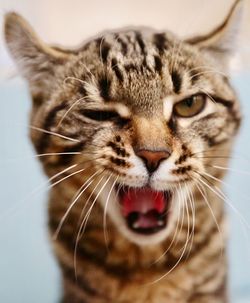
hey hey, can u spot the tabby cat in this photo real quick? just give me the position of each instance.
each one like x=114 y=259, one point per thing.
x=133 y=129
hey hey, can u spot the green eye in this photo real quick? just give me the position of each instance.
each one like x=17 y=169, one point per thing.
x=190 y=107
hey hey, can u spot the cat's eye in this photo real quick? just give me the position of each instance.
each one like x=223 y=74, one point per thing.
x=104 y=115
x=190 y=106
x=100 y=115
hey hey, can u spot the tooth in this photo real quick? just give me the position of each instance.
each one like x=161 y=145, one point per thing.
x=160 y=223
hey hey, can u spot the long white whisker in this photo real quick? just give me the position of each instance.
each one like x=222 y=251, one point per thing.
x=191 y=200
x=59 y=181
x=208 y=72
x=39 y=188
x=93 y=203
x=231 y=169
x=176 y=264
x=211 y=211
x=222 y=196
x=82 y=189
x=207 y=68
x=53 y=133
x=70 y=108
x=73 y=78
x=105 y=211
x=85 y=220
x=173 y=239
x=90 y=196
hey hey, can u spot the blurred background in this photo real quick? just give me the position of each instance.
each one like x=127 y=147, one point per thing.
x=28 y=271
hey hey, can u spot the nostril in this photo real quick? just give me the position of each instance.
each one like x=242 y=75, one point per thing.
x=152 y=158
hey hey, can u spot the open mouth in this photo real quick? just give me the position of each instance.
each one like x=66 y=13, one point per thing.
x=146 y=211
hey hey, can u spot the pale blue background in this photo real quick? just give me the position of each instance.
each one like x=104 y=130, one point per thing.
x=28 y=272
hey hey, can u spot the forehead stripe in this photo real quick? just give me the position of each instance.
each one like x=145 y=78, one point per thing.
x=140 y=42
x=160 y=42
x=158 y=64
x=115 y=67
x=104 y=50
x=104 y=87
x=177 y=81
x=124 y=47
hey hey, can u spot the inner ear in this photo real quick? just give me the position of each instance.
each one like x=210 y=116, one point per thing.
x=36 y=61
x=221 y=42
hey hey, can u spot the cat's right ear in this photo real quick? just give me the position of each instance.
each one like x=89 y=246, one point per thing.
x=35 y=60
x=222 y=43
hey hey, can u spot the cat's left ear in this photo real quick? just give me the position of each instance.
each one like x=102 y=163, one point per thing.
x=222 y=42
x=36 y=61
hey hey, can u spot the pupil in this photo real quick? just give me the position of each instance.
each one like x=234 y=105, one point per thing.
x=189 y=102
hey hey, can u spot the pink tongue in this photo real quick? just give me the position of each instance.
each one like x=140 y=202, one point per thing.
x=142 y=201
x=148 y=220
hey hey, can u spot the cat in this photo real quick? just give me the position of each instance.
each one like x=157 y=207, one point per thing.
x=134 y=127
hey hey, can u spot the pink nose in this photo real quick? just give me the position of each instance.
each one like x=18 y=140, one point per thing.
x=152 y=158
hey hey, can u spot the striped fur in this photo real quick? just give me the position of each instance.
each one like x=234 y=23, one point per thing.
x=98 y=105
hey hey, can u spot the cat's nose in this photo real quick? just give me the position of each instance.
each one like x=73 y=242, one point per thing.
x=152 y=158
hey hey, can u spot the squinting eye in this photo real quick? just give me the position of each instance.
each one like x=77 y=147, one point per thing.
x=105 y=115
x=99 y=115
x=190 y=107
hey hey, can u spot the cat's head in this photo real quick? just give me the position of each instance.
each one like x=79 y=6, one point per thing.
x=142 y=111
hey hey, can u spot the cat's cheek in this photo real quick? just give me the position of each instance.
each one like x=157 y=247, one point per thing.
x=136 y=175
x=163 y=177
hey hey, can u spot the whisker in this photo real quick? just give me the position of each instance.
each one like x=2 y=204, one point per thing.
x=85 y=185
x=89 y=71
x=214 y=157
x=53 y=133
x=230 y=169
x=236 y=157
x=93 y=203
x=90 y=196
x=189 y=235
x=58 y=154
x=105 y=212
x=175 y=234
x=175 y=265
x=38 y=189
x=211 y=210
x=70 y=108
x=209 y=72
x=191 y=200
x=208 y=68
x=221 y=195
x=208 y=95
x=85 y=220
x=43 y=155
x=224 y=183
x=73 y=78
x=224 y=198
x=81 y=226
x=66 y=177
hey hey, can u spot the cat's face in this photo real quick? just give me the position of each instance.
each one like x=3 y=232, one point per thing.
x=145 y=112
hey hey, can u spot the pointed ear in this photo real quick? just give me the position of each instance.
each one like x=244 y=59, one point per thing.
x=222 y=42
x=36 y=61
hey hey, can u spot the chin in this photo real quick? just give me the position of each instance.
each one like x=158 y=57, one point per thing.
x=142 y=215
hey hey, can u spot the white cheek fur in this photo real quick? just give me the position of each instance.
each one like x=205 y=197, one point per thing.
x=168 y=107
x=137 y=174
